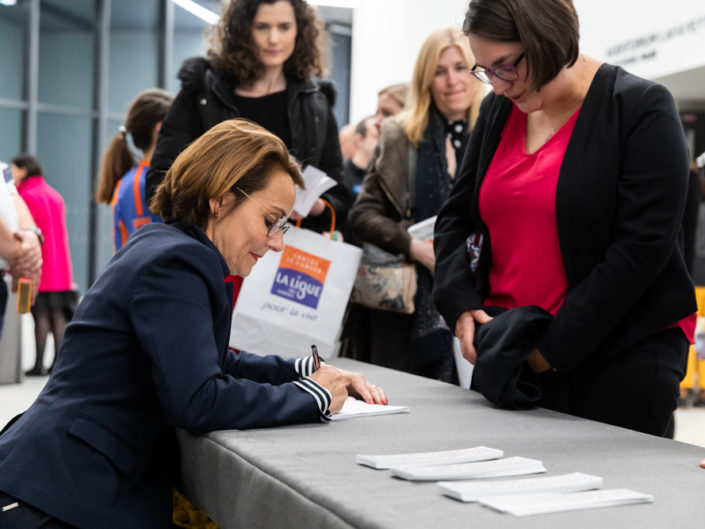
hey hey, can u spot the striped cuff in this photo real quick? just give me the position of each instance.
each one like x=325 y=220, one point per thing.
x=304 y=366
x=320 y=394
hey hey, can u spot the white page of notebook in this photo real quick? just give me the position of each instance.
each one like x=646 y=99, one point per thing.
x=359 y=408
x=530 y=504
x=511 y=466
x=444 y=457
x=469 y=491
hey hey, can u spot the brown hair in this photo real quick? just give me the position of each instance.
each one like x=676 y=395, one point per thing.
x=399 y=92
x=233 y=152
x=415 y=116
x=28 y=162
x=548 y=30
x=232 y=47
x=148 y=109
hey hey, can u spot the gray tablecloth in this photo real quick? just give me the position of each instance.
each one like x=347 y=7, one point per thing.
x=306 y=476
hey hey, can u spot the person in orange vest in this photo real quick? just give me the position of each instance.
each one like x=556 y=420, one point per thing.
x=122 y=179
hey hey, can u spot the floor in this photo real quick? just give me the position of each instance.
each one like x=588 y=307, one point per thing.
x=15 y=398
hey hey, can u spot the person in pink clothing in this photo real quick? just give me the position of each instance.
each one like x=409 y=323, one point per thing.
x=57 y=296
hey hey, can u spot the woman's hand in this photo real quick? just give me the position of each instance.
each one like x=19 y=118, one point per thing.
x=422 y=251
x=360 y=388
x=465 y=331
x=537 y=362
x=332 y=379
x=317 y=208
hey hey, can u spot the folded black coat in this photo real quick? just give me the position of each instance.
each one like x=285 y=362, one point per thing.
x=501 y=372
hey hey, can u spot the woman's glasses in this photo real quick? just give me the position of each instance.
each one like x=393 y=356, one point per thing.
x=505 y=73
x=278 y=225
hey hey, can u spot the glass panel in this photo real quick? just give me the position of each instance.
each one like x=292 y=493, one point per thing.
x=134 y=49
x=66 y=53
x=64 y=150
x=189 y=41
x=10 y=133
x=13 y=23
x=339 y=73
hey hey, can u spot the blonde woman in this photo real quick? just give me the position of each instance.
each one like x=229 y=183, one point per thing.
x=443 y=106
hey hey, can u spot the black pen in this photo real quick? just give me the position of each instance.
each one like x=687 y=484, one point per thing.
x=316 y=359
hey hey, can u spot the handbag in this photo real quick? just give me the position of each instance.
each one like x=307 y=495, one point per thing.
x=297 y=297
x=386 y=281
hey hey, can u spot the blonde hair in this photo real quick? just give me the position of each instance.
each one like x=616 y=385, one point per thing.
x=233 y=152
x=415 y=117
x=399 y=92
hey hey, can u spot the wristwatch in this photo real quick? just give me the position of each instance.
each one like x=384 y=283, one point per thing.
x=38 y=232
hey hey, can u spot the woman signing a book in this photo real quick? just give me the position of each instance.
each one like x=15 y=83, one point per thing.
x=147 y=350
x=570 y=202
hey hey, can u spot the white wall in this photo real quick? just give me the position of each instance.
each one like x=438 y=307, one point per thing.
x=651 y=38
x=387 y=35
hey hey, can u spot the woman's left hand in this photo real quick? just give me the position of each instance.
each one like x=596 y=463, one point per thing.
x=537 y=362
x=360 y=388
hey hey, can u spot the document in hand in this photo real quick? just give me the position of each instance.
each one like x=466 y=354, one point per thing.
x=358 y=408
x=528 y=504
x=512 y=466
x=317 y=182
x=469 y=491
x=423 y=230
x=446 y=457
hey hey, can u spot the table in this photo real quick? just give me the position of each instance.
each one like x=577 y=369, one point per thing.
x=305 y=476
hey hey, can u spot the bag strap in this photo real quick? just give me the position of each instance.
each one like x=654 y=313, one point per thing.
x=411 y=178
x=332 y=217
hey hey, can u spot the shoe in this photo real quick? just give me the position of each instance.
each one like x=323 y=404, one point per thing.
x=37 y=372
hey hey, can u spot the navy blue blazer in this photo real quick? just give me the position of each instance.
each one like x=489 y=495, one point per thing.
x=147 y=351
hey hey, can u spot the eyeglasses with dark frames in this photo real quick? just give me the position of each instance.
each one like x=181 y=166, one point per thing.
x=505 y=73
x=278 y=225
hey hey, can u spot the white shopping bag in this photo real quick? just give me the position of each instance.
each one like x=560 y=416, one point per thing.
x=295 y=298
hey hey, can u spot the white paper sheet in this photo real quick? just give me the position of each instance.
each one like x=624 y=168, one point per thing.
x=359 y=408
x=529 y=504
x=445 y=457
x=470 y=491
x=511 y=466
x=317 y=182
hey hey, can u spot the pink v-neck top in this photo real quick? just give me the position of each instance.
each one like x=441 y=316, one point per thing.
x=518 y=206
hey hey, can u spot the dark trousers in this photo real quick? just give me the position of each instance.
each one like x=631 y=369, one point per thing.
x=25 y=516
x=635 y=388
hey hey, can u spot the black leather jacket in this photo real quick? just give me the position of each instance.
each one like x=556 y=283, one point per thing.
x=207 y=98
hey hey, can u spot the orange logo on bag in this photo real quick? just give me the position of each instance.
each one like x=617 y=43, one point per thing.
x=300 y=276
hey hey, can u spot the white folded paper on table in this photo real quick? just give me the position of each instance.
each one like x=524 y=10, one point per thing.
x=445 y=457
x=511 y=466
x=469 y=491
x=528 y=504
x=317 y=182
x=359 y=408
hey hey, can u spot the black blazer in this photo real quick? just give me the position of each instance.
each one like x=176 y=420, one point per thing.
x=147 y=351
x=619 y=205
x=207 y=98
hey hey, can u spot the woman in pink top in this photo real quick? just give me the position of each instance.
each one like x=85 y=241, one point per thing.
x=57 y=297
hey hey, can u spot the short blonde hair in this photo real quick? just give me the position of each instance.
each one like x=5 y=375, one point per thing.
x=234 y=152
x=415 y=117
